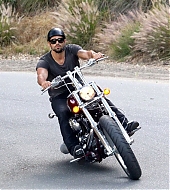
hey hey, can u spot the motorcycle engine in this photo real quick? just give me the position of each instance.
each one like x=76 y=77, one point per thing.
x=74 y=125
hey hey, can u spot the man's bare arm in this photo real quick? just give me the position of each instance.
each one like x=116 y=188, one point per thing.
x=42 y=75
x=85 y=55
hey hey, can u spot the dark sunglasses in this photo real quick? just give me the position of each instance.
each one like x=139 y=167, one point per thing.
x=59 y=40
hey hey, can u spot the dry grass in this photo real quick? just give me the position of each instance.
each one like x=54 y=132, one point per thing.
x=7 y=17
x=147 y=34
x=138 y=35
x=31 y=34
x=78 y=19
x=153 y=39
x=24 y=34
x=78 y=22
x=115 y=39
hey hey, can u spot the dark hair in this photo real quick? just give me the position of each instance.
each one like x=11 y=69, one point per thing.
x=55 y=32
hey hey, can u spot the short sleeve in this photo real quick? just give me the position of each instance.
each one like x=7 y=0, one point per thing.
x=42 y=64
x=74 y=48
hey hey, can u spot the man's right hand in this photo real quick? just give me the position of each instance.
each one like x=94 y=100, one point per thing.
x=45 y=84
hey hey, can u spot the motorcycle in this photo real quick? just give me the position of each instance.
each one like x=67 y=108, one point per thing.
x=96 y=126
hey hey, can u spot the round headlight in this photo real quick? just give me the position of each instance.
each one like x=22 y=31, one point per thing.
x=87 y=93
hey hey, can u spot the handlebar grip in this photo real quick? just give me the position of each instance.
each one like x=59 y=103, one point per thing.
x=102 y=58
x=55 y=82
x=44 y=90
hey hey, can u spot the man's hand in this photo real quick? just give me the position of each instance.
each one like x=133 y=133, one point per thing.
x=97 y=55
x=86 y=55
x=45 y=84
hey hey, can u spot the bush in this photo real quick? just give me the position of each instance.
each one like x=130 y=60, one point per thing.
x=28 y=7
x=153 y=39
x=124 y=6
x=6 y=28
x=117 y=35
x=32 y=6
x=78 y=18
x=111 y=9
x=122 y=46
x=31 y=34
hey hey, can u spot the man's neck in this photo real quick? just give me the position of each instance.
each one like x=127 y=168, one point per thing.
x=58 y=57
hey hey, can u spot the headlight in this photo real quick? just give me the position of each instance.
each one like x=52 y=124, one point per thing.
x=87 y=93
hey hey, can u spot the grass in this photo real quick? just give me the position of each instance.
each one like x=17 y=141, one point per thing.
x=153 y=39
x=79 y=19
x=6 y=27
x=34 y=31
x=117 y=34
x=122 y=47
x=138 y=35
x=91 y=24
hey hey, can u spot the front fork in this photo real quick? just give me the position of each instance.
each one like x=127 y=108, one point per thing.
x=96 y=130
x=113 y=115
x=109 y=149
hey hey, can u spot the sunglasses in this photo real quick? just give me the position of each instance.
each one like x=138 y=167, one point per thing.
x=59 y=40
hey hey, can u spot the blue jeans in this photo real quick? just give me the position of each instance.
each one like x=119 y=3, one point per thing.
x=59 y=106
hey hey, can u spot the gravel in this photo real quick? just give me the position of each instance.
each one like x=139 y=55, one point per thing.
x=156 y=71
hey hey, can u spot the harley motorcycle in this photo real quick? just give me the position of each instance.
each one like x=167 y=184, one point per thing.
x=97 y=127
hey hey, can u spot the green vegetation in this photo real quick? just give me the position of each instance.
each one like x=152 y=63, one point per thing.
x=79 y=19
x=153 y=39
x=123 y=45
x=6 y=28
x=118 y=42
x=124 y=29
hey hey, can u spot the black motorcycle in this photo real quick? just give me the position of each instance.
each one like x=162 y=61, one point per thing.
x=97 y=127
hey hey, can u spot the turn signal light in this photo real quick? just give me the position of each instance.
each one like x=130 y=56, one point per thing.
x=106 y=91
x=76 y=109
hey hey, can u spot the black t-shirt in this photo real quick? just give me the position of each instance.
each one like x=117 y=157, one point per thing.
x=54 y=69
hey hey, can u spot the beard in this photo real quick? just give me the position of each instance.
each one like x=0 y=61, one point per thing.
x=59 y=50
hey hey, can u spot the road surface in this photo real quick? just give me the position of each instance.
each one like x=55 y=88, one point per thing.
x=29 y=141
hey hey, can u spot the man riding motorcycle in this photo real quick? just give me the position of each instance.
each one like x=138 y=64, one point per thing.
x=60 y=59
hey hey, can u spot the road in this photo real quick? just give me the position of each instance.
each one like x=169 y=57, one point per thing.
x=29 y=141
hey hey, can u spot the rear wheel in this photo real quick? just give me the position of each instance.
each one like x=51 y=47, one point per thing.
x=123 y=151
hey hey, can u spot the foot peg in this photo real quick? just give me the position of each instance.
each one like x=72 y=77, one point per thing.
x=134 y=131
x=76 y=160
x=51 y=115
x=80 y=160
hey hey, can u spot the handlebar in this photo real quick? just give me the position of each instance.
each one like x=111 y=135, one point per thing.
x=55 y=82
x=93 y=61
x=58 y=80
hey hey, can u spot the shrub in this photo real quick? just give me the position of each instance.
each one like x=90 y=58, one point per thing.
x=33 y=6
x=122 y=46
x=6 y=28
x=153 y=39
x=112 y=8
x=31 y=34
x=28 y=7
x=78 y=18
x=124 y=6
x=117 y=35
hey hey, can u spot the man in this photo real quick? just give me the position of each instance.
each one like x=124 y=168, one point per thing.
x=58 y=61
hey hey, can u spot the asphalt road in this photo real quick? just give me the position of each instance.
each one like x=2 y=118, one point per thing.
x=29 y=141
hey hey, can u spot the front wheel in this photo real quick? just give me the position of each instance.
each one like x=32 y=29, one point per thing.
x=123 y=151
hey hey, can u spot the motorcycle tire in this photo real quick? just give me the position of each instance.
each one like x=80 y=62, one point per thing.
x=123 y=151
